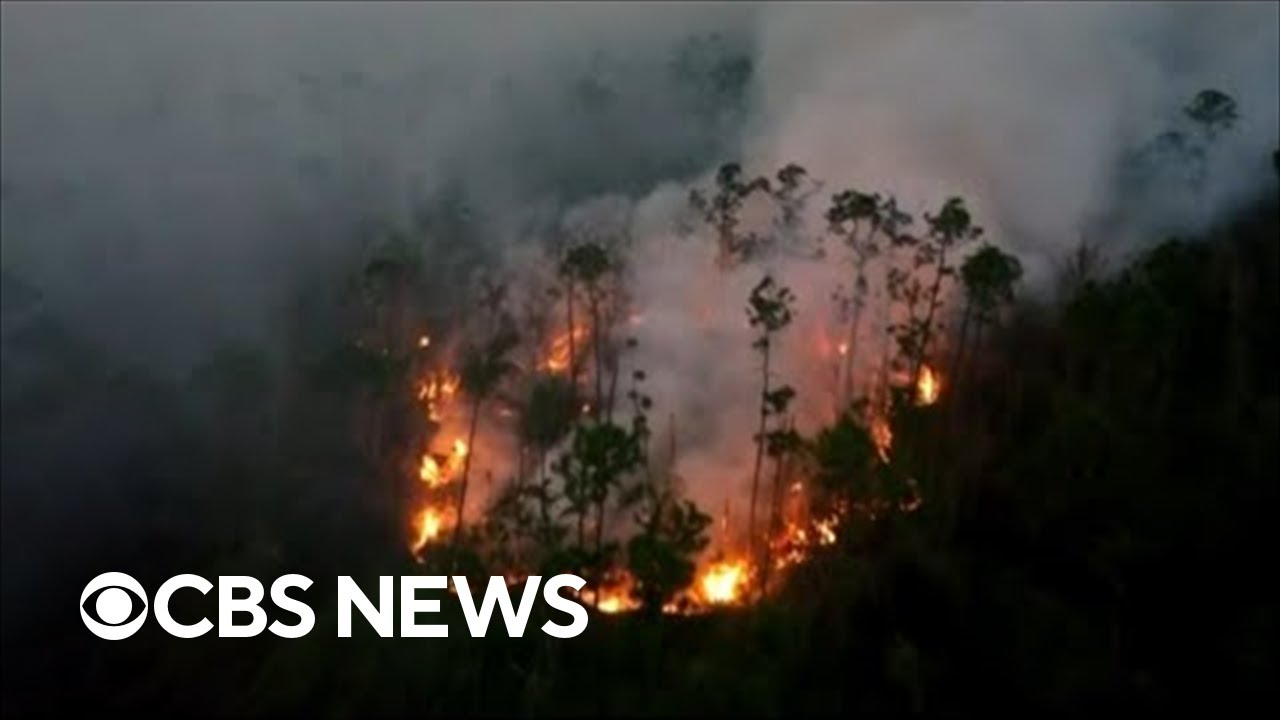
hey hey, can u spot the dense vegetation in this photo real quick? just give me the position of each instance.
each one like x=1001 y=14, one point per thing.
x=1098 y=479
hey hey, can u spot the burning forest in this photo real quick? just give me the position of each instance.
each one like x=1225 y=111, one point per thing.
x=856 y=358
x=540 y=448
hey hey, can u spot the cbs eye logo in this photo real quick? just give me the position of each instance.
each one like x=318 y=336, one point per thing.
x=113 y=606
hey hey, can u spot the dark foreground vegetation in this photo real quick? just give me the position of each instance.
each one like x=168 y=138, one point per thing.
x=1099 y=482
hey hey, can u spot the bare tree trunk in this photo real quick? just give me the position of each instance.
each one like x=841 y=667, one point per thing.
x=613 y=387
x=573 y=353
x=755 y=475
x=957 y=362
x=466 y=471
x=774 y=515
x=851 y=346
x=599 y=549
x=926 y=334
x=595 y=342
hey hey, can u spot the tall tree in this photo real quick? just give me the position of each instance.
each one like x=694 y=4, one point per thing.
x=863 y=222
x=989 y=277
x=769 y=310
x=483 y=368
x=921 y=297
x=722 y=210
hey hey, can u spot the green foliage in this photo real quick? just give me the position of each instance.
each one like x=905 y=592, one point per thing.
x=660 y=557
x=721 y=210
x=989 y=278
x=918 y=290
x=844 y=453
x=769 y=308
x=549 y=411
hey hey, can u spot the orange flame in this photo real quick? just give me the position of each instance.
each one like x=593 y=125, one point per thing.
x=427 y=525
x=724 y=582
x=615 y=596
x=434 y=474
x=438 y=388
x=558 y=357
x=928 y=387
x=429 y=471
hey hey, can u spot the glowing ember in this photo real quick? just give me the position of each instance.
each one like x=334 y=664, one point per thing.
x=424 y=341
x=928 y=387
x=723 y=583
x=844 y=349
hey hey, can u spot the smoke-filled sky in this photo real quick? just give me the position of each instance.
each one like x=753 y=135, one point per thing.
x=168 y=168
x=172 y=172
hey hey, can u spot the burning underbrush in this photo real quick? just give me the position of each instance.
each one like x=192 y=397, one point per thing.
x=727 y=572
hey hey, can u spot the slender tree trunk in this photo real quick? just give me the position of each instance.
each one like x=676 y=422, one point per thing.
x=775 y=505
x=855 y=323
x=926 y=333
x=613 y=387
x=573 y=352
x=596 y=408
x=957 y=362
x=466 y=471
x=755 y=474
x=599 y=550
x=850 y=347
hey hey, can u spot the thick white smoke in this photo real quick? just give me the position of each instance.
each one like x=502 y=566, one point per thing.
x=1024 y=110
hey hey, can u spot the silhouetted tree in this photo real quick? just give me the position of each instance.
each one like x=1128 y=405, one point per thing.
x=722 y=211
x=769 y=310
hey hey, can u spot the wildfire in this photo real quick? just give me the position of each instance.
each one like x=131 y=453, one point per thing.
x=724 y=582
x=427 y=525
x=615 y=597
x=558 y=356
x=437 y=389
x=435 y=473
x=928 y=387
x=613 y=601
